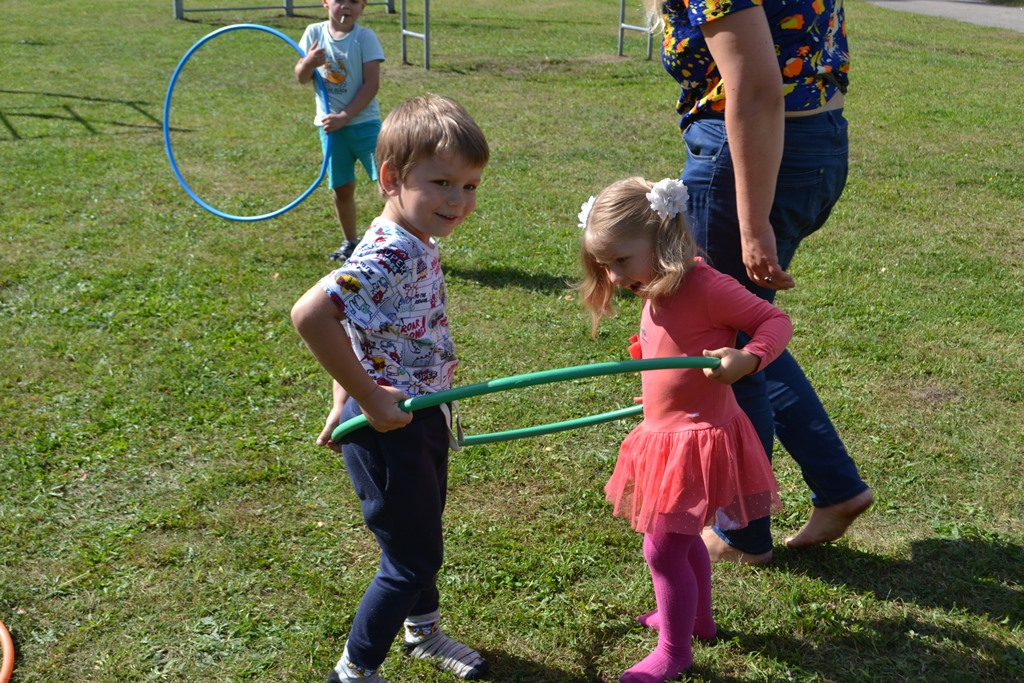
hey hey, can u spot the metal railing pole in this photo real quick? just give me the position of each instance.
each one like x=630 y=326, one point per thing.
x=623 y=26
x=425 y=35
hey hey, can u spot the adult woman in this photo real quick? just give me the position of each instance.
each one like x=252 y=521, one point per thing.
x=762 y=92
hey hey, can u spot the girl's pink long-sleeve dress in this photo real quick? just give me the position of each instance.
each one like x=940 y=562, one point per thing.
x=696 y=460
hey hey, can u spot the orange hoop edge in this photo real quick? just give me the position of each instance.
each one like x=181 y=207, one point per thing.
x=7 y=645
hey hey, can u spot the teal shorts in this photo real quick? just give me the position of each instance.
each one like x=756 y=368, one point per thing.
x=347 y=145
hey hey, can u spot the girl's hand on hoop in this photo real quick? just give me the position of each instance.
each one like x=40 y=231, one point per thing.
x=736 y=363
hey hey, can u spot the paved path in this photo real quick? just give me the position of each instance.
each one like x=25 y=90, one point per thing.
x=971 y=11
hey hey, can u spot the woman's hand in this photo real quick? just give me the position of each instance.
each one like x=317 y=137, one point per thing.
x=760 y=257
x=736 y=363
x=741 y=45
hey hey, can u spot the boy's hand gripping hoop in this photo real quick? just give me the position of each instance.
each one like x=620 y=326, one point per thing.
x=532 y=379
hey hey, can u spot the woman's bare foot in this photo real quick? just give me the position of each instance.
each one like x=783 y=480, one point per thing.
x=828 y=524
x=720 y=551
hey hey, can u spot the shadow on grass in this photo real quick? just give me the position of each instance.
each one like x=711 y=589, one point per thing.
x=921 y=654
x=950 y=574
x=982 y=578
x=508 y=667
x=9 y=116
x=512 y=669
x=500 y=277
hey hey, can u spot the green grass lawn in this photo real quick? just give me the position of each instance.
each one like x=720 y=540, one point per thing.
x=165 y=514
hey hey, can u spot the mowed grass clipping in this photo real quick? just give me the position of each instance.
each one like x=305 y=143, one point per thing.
x=165 y=514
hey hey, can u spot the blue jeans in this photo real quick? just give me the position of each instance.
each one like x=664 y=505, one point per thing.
x=779 y=401
x=401 y=478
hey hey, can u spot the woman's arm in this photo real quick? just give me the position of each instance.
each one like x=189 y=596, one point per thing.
x=742 y=47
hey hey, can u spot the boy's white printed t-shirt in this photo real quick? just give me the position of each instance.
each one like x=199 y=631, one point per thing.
x=343 y=72
x=392 y=292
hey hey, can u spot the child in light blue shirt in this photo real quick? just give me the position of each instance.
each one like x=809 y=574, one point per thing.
x=348 y=58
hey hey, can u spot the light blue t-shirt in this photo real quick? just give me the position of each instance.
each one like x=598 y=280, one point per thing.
x=343 y=72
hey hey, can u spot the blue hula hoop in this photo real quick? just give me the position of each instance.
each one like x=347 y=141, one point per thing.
x=533 y=379
x=167 y=125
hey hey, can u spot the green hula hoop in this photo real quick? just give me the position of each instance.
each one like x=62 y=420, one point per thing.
x=532 y=379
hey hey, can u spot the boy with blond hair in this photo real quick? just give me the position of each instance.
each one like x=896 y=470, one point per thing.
x=378 y=325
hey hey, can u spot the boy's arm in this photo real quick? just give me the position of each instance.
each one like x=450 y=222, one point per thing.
x=318 y=321
x=339 y=394
x=367 y=91
x=314 y=57
x=333 y=417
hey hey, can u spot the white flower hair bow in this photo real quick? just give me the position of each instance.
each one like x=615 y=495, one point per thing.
x=668 y=198
x=585 y=212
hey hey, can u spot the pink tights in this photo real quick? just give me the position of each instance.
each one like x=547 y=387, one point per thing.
x=681 y=573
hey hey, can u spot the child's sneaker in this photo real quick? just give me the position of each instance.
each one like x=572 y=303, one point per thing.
x=424 y=639
x=344 y=251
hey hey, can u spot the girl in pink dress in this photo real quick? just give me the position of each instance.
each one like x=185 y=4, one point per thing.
x=695 y=460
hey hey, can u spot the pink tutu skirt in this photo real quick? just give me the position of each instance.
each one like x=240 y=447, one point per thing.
x=680 y=482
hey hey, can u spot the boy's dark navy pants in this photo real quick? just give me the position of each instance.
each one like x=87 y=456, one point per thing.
x=401 y=478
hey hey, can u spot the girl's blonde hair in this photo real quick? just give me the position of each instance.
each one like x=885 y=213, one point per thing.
x=622 y=211
x=653 y=15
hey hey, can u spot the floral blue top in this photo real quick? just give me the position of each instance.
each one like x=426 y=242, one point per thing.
x=810 y=41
